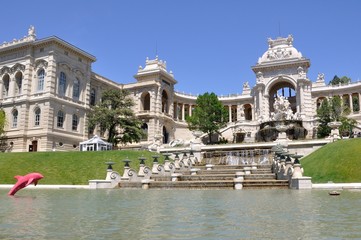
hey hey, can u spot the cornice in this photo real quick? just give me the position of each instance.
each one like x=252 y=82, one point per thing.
x=281 y=64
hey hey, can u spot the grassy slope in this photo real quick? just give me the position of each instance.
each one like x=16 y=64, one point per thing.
x=66 y=167
x=339 y=162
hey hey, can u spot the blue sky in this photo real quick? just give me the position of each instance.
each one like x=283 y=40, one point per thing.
x=209 y=45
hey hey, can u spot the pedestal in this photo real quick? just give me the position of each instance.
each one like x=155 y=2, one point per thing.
x=301 y=183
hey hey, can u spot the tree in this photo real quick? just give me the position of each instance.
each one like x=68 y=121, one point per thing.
x=115 y=115
x=2 y=122
x=333 y=110
x=3 y=143
x=324 y=117
x=208 y=116
x=336 y=80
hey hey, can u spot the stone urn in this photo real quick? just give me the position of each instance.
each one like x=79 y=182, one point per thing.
x=158 y=138
x=335 y=133
x=197 y=134
x=282 y=128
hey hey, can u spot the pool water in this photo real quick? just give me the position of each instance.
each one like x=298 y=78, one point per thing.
x=179 y=214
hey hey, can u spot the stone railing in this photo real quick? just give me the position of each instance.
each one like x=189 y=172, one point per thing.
x=287 y=166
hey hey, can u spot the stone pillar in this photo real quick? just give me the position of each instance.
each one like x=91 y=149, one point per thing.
x=175 y=115
x=158 y=100
x=230 y=113
x=183 y=117
x=266 y=105
x=253 y=113
x=301 y=99
x=350 y=101
x=190 y=110
x=11 y=86
x=259 y=101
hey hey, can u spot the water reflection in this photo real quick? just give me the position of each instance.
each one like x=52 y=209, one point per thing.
x=180 y=214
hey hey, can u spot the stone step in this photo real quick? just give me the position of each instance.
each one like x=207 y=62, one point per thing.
x=210 y=184
x=260 y=176
x=259 y=166
x=203 y=177
x=207 y=184
x=265 y=184
x=229 y=171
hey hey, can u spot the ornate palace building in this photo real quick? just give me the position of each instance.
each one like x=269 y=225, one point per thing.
x=48 y=86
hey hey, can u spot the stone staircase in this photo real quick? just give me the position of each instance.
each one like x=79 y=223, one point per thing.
x=213 y=177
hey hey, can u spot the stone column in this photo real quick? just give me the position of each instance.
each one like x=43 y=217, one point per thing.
x=266 y=106
x=175 y=115
x=301 y=99
x=158 y=100
x=350 y=101
x=259 y=101
x=190 y=110
x=253 y=113
x=11 y=92
x=183 y=117
x=230 y=113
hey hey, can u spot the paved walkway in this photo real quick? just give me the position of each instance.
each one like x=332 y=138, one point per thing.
x=314 y=186
x=336 y=186
x=41 y=186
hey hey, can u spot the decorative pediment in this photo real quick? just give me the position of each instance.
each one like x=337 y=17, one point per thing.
x=78 y=72
x=18 y=67
x=5 y=70
x=41 y=63
x=65 y=66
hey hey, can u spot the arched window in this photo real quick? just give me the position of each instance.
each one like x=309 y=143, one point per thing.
x=15 y=118
x=92 y=96
x=62 y=83
x=37 y=117
x=6 y=82
x=75 y=123
x=145 y=131
x=76 y=89
x=60 y=121
x=285 y=89
x=145 y=98
x=41 y=76
x=164 y=102
x=247 y=111
x=18 y=83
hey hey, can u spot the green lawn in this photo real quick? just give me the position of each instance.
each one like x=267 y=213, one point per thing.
x=67 y=167
x=339 y=162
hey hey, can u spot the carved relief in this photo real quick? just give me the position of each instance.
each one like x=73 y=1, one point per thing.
x=40 y=63
x=78 y=72
x=301 y=72
x=65 y=66
x=259 y=76
x=4 y=70
x=280 y=53
x=18 y=67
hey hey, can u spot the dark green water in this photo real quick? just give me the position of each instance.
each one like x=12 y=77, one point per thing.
x=179 y=214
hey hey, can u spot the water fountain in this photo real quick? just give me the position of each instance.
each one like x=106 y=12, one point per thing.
x=283 y=125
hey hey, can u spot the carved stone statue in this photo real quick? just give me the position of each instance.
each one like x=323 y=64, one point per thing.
x=320 y=77
x=282 y=109
x=31 y=31
x=245 y=85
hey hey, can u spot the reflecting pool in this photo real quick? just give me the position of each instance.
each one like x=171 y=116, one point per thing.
x=179 y=214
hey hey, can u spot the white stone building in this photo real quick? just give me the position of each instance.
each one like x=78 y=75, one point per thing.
x=47 y=87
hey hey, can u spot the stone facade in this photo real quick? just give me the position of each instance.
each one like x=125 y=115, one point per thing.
x=47 y=87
